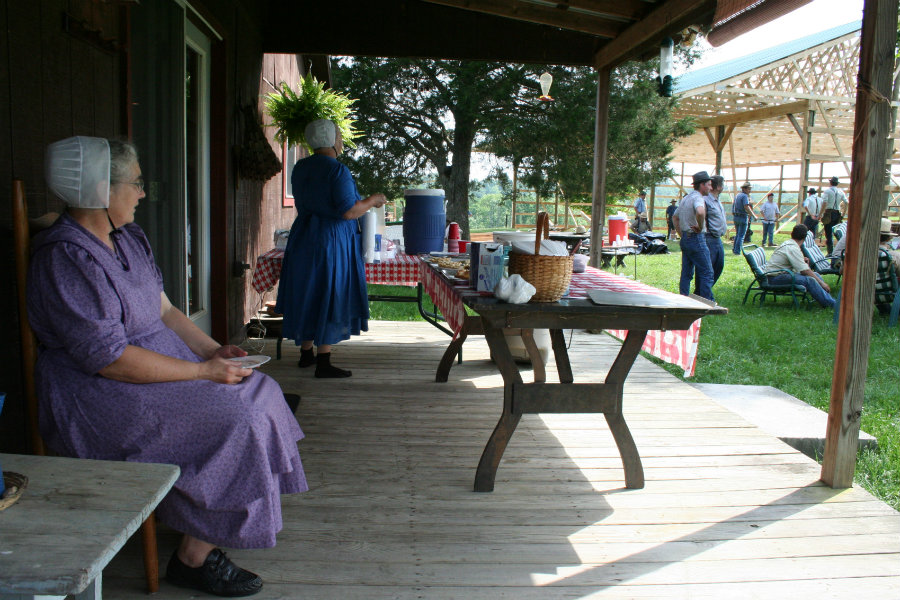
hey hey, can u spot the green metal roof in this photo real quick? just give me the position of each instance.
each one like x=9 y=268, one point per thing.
x=732 y=68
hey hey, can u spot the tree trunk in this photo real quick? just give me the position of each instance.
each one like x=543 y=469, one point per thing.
x=456 y=186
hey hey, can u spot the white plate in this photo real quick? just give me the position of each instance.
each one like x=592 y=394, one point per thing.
x=251 y=362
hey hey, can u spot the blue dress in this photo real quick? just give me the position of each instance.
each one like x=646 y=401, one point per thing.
x=236 y=444
x=322 y=293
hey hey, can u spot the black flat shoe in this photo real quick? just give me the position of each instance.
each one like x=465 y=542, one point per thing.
x=218 y=576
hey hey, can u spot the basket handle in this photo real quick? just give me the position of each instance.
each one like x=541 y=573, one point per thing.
x=543 y=225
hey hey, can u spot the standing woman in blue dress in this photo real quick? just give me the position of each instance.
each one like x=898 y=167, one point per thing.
x=322 y=293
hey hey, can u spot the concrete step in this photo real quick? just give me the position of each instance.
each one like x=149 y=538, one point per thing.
x=791 y=420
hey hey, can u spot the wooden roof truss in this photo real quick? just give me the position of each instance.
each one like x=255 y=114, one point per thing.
x=773 y=112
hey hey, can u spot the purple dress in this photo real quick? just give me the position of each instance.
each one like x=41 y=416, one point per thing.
x=236 y=444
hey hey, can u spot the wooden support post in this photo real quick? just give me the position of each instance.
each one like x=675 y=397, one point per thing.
x=598 y=191
x=515 y=196
x=808 y=123
x=872 y=126
x=720 y=133
x=652 y=206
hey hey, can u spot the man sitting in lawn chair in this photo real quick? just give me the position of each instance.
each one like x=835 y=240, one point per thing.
x=788 y=256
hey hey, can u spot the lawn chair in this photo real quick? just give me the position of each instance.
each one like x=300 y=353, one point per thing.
x=839 y=230
x=887 y=290
x=23 y=229
x=756 y=258
x=818 y=262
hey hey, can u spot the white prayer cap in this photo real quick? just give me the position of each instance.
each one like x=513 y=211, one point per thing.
x=77 y=170
x=320 y=134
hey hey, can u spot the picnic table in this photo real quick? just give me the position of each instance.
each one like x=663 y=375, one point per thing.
x=72 y=518
x=623 y=310
x=400 y=270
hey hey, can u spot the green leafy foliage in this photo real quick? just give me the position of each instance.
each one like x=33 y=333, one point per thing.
x=292 y=111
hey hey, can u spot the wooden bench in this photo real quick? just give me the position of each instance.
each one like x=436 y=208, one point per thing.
x=73 y=517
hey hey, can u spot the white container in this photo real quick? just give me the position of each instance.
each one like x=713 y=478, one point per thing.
x=368 y=236
x=507 y=237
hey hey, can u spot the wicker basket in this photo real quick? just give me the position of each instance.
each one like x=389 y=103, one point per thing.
x=550 y=275
x=15 y=484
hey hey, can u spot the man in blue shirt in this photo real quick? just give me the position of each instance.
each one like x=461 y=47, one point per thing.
x=741 y=211
x=640 y=205
x=716 y=226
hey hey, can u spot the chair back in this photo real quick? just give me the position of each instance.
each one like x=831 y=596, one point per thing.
x=886 y=284
x=839 y=230
x=23 y=229
x=756 y=258
x=811 y=250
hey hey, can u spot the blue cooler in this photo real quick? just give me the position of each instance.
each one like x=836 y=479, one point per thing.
x=2 y=487
x=424 y=221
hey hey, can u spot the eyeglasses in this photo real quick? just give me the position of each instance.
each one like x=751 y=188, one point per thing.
x=138 y=183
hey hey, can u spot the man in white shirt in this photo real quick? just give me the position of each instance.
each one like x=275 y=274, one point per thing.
x=789 y=257
x=770 y=215
x=813 y=207
x=834 y=206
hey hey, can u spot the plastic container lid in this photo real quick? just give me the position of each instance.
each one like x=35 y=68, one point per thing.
x=423 y=192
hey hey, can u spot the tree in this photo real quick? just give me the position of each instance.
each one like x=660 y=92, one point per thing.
x=420 y=119
x=555 y=146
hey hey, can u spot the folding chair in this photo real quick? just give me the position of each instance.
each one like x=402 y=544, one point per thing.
x=756 y=259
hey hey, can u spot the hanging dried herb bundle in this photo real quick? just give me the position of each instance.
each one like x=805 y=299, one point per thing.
x=292 y=111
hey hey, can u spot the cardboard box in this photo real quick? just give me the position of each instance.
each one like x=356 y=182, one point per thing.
x=486 y=265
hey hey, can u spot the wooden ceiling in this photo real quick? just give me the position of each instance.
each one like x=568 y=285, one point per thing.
x=570 y=32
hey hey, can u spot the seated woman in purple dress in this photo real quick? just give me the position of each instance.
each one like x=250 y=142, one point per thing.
x=322 y=293
x=124 y=375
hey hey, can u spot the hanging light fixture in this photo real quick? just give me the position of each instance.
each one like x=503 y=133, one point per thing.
x=546 y=80
x=664 y=81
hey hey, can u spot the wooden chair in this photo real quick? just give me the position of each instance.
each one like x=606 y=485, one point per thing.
x=23 y=229
x=818 y=262
x=756 y=259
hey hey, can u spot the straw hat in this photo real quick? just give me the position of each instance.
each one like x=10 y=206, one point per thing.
x=746 y=185
x=886 y=228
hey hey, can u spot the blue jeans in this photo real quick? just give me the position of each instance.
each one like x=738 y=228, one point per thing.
x=768 y=230
x=695 y=256
x=740 y=227
x=716 y=255
x=811 y=284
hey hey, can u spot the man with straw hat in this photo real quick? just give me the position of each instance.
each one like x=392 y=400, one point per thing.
x=690 y=222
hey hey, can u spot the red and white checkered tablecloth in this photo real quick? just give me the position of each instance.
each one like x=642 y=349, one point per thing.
x=402 y=270
x=676 y=347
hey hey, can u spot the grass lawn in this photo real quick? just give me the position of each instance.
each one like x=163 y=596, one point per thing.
x=777 y=346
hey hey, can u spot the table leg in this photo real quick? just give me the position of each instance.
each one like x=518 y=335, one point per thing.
x=493 y=451
x=472 y=326
x=561 y=354
x=631 y=460
x=537 y=361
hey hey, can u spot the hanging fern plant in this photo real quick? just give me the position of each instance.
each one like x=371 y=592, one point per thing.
x=292 y=111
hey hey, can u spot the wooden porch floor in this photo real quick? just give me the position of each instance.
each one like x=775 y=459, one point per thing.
x=727 y=512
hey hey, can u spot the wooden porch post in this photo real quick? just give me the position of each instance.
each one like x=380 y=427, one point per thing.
x=871 y=130
x=601 y=131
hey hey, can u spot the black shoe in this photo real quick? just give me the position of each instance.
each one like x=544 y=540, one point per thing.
x=324 y=368
x=218 y=575
x=307 y=358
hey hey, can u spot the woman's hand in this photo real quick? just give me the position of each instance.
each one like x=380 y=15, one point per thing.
x=378 y=200
x=221 y=370
x=229 y=351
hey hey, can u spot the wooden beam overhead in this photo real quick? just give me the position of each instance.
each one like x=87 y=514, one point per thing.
x=669 y=17
x=758 y=114
x=543 y=14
